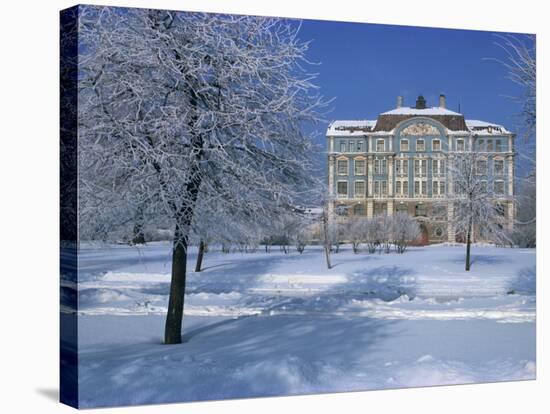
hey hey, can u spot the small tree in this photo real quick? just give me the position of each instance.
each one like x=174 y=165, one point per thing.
x=374 y=234
x=386 y=233
x=355 y=232
x=405 y=231
x=474 y=202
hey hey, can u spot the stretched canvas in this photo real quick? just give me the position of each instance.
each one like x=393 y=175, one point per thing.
x=257 y=206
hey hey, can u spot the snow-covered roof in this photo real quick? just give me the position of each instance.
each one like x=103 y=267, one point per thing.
x=434 y=110
x=350 y=127
x=485 y=127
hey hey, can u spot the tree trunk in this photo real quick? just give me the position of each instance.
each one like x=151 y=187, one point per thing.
x=183 y=216
x=327 y=242
x=202 y=248
x=468 y=244
x=138 y=236
x=174 y=317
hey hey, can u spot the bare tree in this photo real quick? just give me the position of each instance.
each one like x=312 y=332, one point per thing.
x=521 y=64
x=355 y=232
x=181 y=106
x=374 y=234
x=474 y=201
x=405 y=230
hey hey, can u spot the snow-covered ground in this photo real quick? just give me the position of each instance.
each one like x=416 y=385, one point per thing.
x=259 y=324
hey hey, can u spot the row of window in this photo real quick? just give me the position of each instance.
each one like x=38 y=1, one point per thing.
x=420 y=167
x=498 y=167
x=488 y=145
x=380 y=188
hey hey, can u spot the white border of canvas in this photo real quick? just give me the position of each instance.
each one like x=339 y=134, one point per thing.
x=29 y=206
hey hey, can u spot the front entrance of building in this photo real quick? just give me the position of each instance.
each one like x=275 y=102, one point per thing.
x=423 y=240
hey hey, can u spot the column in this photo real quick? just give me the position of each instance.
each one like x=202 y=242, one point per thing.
x=389 y=208
x=369 y=176
x=390 y=176
x=331 y=189
x=510 y=160
x=370 y=208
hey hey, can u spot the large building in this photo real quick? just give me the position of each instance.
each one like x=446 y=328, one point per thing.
x=399 y=163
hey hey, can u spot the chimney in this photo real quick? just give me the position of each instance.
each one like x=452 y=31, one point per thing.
x=420 y=102
x=442 y=101
x=399 y=101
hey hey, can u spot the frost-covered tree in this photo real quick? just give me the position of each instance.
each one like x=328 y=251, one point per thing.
x=187 y=106
x=374 y=234
x=386 y=239
x=405 y=230
x=474 y=202
x=521 y=65
x=355 y=231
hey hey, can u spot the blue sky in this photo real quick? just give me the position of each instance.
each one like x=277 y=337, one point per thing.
x=365 y=66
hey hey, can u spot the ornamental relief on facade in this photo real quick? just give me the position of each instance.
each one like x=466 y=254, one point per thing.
x=420 y=129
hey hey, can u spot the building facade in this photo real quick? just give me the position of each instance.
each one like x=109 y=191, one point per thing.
x=399 y=163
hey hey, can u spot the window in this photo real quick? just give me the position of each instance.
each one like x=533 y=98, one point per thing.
x=342 y=210
x=359 y=210
x=442 y=188
x=498 y=145
x=343 y=146
x=420 y=167
x=377 y=188
x=424 y=187
x=436 y=145
x=359 y=189
x=380 y=209
x=359 y=146
x=342 y=188
x=483 y=186
x=420 y=210
x=417 y=188
x=380 y=166
x=402 y=188
x=489 y=145
x=402 y=208
x=342 y=167
x=499 y=167
x=420 y=145
x=360 y=167
x=438 y=166
x=404 y=145
x=380 y=145
x=499 y=187
x=405 y=167
x=481 y=145
x=384 y=188
x=481 y=167
x=435 y=188
x=460 y=145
